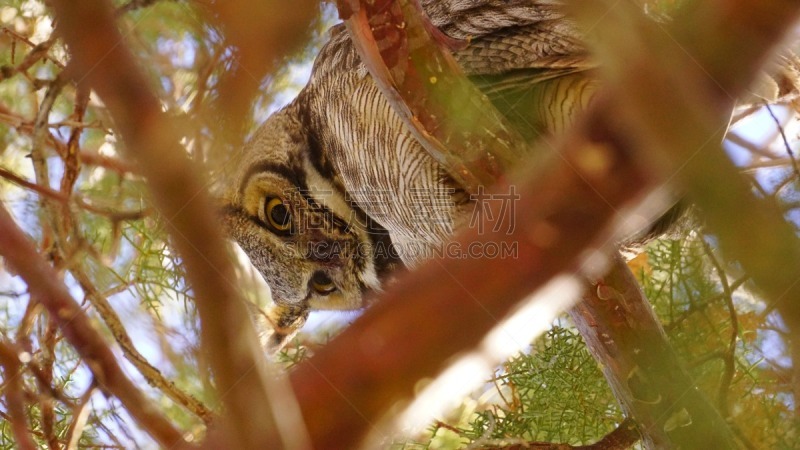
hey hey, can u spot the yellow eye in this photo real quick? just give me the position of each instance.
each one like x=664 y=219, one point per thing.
x=322 y=284
x=277 y=214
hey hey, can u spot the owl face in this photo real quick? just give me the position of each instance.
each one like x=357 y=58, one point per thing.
x=297 y=230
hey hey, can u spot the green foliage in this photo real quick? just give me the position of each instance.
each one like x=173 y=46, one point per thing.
x=687 y=293
x=557 y=393
x=553 y=393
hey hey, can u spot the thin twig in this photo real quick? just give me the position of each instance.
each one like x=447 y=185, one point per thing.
x=80 y=414
x=777 y=162
x=25 y=126
x=38 y=53
x=12 y=372
x=729 y=354
x=53 y=225
x=786 y=145
x=25 y=326
x=446 y=426
x=704 y=304
x=133 y=5
x=45 y=382
x=71 y=157
x=151 y=374
x=60 y=197
x=745 y=113
x=76 y=124
x=749 y=146
x=19 y=37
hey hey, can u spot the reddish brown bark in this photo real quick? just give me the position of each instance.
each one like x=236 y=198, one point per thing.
x=446 y=306
x=623 y=334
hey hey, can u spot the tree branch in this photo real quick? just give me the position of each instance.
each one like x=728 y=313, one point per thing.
x=44 y=286
x=377 y=361
x=65 y=199
x=729 y=355
x=646 y=376
x=47 y=344
x=80 y=413
x=151 y=374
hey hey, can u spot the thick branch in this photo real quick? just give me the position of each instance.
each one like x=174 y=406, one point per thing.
x=44 y=286
x=623 y=334
x=388 y=61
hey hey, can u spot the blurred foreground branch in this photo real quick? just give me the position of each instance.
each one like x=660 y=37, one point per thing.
x=261 y=37
x=688 y=76
x=451 y=304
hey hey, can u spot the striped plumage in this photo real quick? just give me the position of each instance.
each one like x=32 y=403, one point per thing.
x=338 y=156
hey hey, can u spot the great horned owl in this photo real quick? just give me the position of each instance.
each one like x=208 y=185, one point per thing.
x=333 y=192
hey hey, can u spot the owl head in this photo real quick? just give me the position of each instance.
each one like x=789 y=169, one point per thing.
x=310 y=244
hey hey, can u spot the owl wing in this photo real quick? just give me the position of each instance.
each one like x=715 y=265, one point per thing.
x=471 y=19
x=534 y=69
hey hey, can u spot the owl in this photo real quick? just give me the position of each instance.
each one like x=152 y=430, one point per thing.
x=332 y=193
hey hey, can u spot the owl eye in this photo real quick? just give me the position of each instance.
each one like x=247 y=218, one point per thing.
x=277 y=214
x=322 y=284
